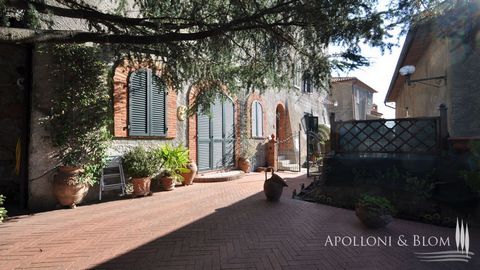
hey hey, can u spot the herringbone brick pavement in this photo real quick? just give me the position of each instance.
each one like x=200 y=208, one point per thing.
x=226 y=225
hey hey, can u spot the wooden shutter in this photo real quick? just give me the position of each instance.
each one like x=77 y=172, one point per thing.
x=254 y=119
x=203 y=141
x=229 y=121
x=259 y=119
x=217 y=133
x=138 y=107
x=157 y=117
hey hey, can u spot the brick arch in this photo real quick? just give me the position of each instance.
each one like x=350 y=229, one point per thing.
x=192 y=122
x=251 y=98
x=121 y=73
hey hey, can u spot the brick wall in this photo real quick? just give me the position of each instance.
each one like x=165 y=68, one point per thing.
x=192 y=124
x=120 y=98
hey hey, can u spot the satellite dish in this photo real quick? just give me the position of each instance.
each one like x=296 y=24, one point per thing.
x=407 y=70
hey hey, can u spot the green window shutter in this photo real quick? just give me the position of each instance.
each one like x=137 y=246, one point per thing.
x=259 y=120
x=157 y=117
x=138 y=103
x=254 y=119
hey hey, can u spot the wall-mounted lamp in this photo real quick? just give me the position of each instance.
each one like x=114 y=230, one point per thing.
x=408 y=70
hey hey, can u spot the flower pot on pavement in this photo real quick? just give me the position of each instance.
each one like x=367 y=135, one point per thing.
x=141 y=186
x=66 y=188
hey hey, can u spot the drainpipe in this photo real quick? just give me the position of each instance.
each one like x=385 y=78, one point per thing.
x=26 y=132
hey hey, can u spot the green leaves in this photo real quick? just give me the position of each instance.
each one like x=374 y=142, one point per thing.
x=139 y=162
x=376 y=204
x=173 y=159
x=80 y=114
x=3 y=212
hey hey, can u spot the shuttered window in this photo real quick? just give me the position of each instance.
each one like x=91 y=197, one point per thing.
x=147 y=106
x=257 y=119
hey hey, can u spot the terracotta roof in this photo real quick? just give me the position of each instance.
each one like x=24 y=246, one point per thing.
x=342 y=79
x=354 y=80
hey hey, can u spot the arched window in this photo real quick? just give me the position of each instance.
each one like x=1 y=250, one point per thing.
x=147 y=94
x=257 y=119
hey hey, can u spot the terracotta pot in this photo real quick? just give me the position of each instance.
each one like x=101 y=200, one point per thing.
x=244 y=165
x=188 y=177
x=65 y=187
x=141 y=186
x=168 y=183
x=373 y=218
x=273 y=187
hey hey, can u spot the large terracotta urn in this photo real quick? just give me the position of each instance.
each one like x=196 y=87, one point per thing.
x=141 y=186
x=244 y=165
x=188 y=177
x=273 y=187
x=66 y=188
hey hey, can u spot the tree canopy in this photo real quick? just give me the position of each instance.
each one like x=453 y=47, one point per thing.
x=242 y=44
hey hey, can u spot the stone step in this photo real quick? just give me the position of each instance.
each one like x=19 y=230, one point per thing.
x=289 y=167
x=218 y=176
x=284 y=162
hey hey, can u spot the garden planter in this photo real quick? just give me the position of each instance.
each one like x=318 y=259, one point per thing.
x=65 y=187
x=168 y=183
x=273 y=187
x=188 y=177
x=244 y=165
x=373 y=217
x=141 y=186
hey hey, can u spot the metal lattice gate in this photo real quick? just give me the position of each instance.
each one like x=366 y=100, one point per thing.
x=289 y=153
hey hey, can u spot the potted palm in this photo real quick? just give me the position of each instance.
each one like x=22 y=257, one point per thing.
x=374 y=211
x=173 y=160
x=78 y=121
x=140 y=165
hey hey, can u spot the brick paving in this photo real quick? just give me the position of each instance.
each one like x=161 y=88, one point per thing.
x=227 y=225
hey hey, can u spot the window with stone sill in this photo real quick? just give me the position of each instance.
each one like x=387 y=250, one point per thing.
x=147 y=104
x=257 y=120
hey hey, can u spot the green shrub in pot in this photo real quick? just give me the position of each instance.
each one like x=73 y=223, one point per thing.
x=374 y=211
x=140 y=164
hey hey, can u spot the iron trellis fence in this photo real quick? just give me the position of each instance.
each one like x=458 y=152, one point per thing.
x=420 y=135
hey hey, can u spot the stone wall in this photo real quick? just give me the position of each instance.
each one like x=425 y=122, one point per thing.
x=12 y=116
x=460 y=63
x=342 y=92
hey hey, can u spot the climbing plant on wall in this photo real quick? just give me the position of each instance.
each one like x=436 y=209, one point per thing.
x=80 y=113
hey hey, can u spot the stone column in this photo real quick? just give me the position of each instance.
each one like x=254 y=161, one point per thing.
x=272 y=153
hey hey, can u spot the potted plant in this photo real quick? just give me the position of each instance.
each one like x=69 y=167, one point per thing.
x=247 y=151
x=374 y=211
x=140 y=164
x=78 y=121
x=173 y=160
x=3 y=212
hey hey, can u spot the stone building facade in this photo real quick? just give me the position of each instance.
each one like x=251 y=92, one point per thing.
x=352 y=98
x=436 y=55
x=283 y=114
